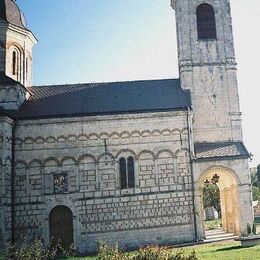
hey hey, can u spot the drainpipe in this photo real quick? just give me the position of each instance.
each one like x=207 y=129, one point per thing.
x=190 y=141
x=13 y=183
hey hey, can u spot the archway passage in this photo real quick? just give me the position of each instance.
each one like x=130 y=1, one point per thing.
x=227 y=183
x=61 y=226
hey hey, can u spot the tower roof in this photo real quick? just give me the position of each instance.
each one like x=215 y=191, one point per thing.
x=10 y=12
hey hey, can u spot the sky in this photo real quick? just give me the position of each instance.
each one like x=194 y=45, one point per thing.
x=117 y=40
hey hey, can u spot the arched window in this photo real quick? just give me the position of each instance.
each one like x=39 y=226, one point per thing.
x=14 y=63
x=127 y=173
x=206 y=23
x=123 y=182
x=26 y=68
x=131 y=172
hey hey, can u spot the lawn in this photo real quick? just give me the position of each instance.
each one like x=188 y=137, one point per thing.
x=219 y=251
x=226 y=250
x=213 y=224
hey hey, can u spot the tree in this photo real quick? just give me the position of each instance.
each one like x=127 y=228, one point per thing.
x=211 y=197
x=258 y=176
x=256 y=193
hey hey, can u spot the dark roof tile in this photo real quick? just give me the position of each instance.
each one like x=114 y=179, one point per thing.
x=220 y=150
x=105 y=98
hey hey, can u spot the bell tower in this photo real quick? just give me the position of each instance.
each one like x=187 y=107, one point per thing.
x=207 y=67
x=16 y=43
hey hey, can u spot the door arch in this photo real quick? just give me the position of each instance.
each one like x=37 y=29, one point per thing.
x=227 y=183
x=61 y=226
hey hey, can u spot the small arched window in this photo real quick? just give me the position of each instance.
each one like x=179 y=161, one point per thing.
x=14 y=63
x=26 y=68
x=206 y=22
x=127 y=173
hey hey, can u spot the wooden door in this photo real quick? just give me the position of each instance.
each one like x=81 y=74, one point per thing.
x=61 y=226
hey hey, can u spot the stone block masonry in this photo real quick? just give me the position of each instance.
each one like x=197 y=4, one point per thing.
x=160 y=203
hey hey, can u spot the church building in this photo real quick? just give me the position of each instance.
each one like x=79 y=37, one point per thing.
x=123 y=162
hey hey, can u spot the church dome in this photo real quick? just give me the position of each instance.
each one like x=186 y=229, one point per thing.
x=10 y=12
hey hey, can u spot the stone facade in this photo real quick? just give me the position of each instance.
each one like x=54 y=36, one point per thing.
x=74 y=161
x=5 y=179
x=208 y=69
x=101 y=209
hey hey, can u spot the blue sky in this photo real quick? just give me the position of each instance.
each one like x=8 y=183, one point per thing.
x=114 y=40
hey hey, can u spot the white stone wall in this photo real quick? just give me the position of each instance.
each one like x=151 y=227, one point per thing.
x=161 y=203
x=15 y=38
x=208 y=69
x=12 y=96
x=5 y=179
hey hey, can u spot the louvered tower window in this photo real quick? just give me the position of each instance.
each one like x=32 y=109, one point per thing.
x=206 y=22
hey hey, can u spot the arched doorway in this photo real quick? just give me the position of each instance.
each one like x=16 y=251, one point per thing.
x=61 y=226
x=227 y=183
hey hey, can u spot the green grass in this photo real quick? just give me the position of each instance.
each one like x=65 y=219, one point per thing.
x=213 y=224
x=226 y=251
x=216 y=251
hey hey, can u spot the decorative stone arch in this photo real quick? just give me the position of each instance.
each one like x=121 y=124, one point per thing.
x=47 y=162
x=50 y=139
x=39 y=140
x=103 y=135
x=228 y=185
x=61 y=139
x=16 y=69
x=72 y=138
x=34 y=162
x=87 y=156
x=165 y=151
x=64 y=160
x=146 y=152
x=125 y=135
x=82 y=137
x=28 y=140
x=126 y=153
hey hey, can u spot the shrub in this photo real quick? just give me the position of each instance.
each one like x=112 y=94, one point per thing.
x=110 y=252
x=254 y=229
x=152 y=253
x=35 y=250
x=30 y=251
x=249 y=230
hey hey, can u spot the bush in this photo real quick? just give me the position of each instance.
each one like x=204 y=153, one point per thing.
x=249 y=230
x=254 y=229
x=30 y=251
x=161 y=253
x=35 y=250
x=109 y=252
x=152 y=253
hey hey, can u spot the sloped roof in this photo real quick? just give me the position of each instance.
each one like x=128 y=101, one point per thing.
x=220 y=150
x=5 y=80
x=105 y=98
x=10 y=12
